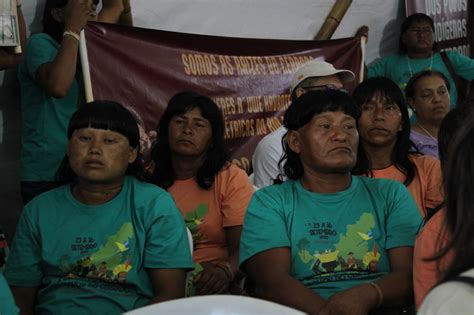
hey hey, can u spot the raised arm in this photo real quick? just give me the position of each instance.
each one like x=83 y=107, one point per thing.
x=57 y=76
x=270 y=271
x=111 y=11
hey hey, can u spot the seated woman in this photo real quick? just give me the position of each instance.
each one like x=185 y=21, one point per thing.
x=326 y=242
x=385 y=150
x=104 y=242
x=52 y=89
x=427 y=271
x=455 y=294
x=212 y=194
x=427 y=93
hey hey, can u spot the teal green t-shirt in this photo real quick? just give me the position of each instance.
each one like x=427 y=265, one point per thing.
x=400 y=68
x=92 y=259
x=7 y=303
x=44 y=118
x=337 y=240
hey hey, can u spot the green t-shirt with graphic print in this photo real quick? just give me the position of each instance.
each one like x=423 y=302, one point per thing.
x=92 y=259
x=337 y=240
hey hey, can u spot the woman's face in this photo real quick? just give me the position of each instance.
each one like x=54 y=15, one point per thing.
x=189 y=134
x=419 y=37
x=100 y=156
x=380 y=122
x=431 y=100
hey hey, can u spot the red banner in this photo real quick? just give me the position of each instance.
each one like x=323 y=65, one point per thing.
x=452 y=21
x=248 y=78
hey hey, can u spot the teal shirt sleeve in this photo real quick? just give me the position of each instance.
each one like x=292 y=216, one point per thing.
x=167 y=243
x=7 y=303
x=40 y=49
x=23 y=266
x=379 y=69
x=265 y=224
x=403 y=219
x=463 y=65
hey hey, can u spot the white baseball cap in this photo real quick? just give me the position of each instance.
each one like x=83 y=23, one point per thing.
x=319 y=68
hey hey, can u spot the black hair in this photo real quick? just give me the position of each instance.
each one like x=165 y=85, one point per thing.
x=390 y=91
x=417 y=17
x=50 y=26
x=458 y=178
x=106 y=115
x=216 y=155
x=301 y=111
x=411 y=85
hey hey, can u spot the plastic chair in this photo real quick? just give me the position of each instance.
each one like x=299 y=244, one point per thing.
x=216 y=305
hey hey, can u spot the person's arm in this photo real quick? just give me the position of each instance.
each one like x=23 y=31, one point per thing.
x=168 y=284
x=25 y=299
x=111 y=11
x=57 y=76
x=270 y=271
x=395 y=289
x=126 y=17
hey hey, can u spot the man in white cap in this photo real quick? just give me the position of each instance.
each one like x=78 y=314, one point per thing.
x=314 y=75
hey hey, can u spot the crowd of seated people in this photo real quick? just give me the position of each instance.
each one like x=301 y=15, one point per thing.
x=344 y=194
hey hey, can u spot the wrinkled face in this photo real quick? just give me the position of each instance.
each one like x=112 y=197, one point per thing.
x=431 y=100
x=312 y=84
x=327 y=144
x=380 y=122
x=419 y=37
x=100 y=156
x=189 y=134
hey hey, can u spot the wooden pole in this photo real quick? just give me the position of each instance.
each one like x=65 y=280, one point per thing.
x=333 y=19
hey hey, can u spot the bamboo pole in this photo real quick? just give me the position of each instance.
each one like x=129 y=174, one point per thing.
x=333 y=19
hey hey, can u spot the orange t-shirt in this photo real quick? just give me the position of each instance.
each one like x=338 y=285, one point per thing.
x=208 y=212
x=428 y=243
x=426 y=187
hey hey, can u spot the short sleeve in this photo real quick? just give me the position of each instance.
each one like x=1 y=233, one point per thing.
x=378 y=69
x=41 y=49
x=264 y=225
x=265 y=160
x=23 y=266
x=463 y=65
x=403 y=220
x=238 y=191
x=434 y=180
x=167 y=243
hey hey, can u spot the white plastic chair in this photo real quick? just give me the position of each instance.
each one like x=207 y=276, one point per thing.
x=216 y=305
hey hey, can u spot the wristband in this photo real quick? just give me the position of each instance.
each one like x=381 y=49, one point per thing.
x=73 y=34
x=379 y=292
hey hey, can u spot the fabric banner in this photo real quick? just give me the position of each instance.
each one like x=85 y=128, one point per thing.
x=452 y=21
x=249 y=79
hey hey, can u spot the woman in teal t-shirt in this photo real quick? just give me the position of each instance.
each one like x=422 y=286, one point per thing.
x=104 y=242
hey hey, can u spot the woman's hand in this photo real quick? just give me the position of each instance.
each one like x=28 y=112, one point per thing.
x=76 y=15
x=212 y=280
x=358 y=300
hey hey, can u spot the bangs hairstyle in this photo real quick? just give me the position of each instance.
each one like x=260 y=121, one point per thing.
x=50 y=26
x=390 y=92
x=417 y=17
x=411 y=85
x=216 y=155
x=105 y=115
x=301 y=112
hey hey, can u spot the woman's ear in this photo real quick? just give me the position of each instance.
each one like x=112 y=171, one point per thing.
x=133 y=155
x=293 y=141
x=57 y=14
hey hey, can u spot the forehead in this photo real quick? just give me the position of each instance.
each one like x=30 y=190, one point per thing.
x=430 y=80
x=420 y=24
x=334 y=79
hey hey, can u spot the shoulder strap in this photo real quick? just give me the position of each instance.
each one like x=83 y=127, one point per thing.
x=452 y=72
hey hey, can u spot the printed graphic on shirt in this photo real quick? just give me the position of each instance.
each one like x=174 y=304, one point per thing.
x=329 y=253
x=194 y=219
x=109 y=262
